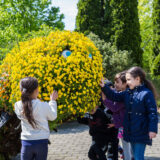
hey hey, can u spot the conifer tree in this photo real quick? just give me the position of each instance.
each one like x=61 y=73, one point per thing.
x=126 y=28
x=156 y=38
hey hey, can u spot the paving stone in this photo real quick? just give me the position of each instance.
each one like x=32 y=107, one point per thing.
x=73 y=141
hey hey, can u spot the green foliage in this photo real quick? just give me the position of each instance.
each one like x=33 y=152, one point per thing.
x=114 y=61
x=42 y=32
x=89 y=17
x=114 y=21
x=18 y=18
x=94 y=16
x=156 y=27
x=29 y=15
x=155 y=69
x=145 y=18
x=126 y=28
x=107 y=29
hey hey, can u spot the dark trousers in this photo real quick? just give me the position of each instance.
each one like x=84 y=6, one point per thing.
x=113 y=149
x=97 y=151
x=34 y=152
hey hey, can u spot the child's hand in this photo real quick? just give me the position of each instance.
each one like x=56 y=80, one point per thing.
x=54 y=95
x=110 y=125
x=102 y=83
x=103 y=96
x=152 y=135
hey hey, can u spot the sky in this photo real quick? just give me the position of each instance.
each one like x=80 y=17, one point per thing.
x=69 y=9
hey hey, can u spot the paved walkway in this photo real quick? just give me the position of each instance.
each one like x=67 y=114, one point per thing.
x=72 y=142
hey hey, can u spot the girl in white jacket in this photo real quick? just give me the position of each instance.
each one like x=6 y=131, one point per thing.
x=34 y=116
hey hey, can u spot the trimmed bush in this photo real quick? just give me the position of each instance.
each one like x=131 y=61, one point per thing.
x=65 y=61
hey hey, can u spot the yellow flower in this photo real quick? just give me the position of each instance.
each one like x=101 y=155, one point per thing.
x=76 y=77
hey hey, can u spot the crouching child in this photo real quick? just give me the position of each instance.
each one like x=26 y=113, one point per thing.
x=98 y=121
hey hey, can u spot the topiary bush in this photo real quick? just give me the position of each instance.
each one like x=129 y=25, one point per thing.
x=65 y=61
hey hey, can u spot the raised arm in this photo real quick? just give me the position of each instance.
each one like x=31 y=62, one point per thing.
x=51 y=110
x=113 y=95
x=52 y=107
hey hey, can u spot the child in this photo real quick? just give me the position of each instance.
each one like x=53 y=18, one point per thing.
x=98 y=129
x=34 y=116
x=118 y=110
x=140 y=120
x=113 y=145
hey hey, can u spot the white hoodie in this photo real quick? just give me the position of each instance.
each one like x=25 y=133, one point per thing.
x=42 y=112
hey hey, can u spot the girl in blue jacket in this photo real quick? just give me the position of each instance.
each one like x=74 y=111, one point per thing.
x=141 y=119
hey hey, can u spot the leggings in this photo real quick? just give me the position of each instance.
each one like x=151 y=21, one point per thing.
x=34 y=152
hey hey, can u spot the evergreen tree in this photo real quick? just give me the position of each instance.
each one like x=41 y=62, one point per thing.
x=126 y=28
x=90 y=17
x=107 y=21
x=114 y=21
x=156 y=38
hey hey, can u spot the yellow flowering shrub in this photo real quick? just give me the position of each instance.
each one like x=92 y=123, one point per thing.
x=65 y=61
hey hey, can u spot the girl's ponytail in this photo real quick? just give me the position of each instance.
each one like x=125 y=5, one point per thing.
x=149 y=85
x=27 y=86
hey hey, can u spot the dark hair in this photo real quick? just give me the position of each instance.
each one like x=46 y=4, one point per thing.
x=139 y=72
x=121 y=76
x=27 y=86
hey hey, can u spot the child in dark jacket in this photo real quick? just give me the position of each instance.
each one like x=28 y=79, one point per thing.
x=140 y=119
x=113 y=147
x=118 y=109
x=101 y=134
